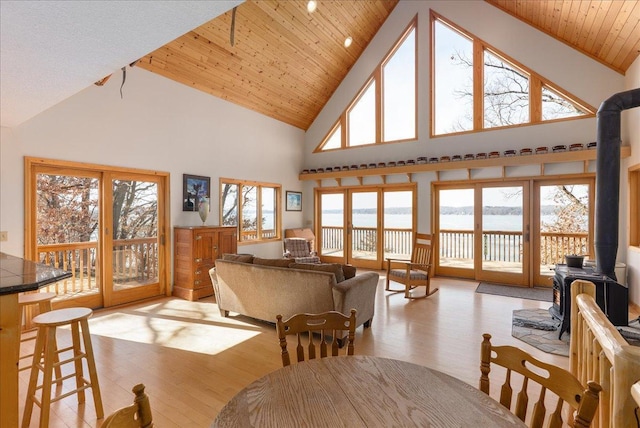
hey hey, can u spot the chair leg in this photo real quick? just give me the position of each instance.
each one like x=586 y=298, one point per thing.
x=91 y=364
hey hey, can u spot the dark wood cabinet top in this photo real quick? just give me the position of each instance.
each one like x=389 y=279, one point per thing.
x=18 y=275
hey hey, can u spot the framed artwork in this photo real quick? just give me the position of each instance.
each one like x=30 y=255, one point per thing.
x=194 y=187
x=294 y=201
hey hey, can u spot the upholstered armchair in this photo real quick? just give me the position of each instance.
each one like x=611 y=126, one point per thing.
x=299 y=250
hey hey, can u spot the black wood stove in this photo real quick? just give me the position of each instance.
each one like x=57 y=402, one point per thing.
x=612 y=297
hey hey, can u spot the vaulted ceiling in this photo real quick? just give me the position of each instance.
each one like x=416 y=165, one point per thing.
x=286 y=63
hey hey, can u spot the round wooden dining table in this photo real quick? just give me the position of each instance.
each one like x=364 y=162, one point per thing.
x=362 y=391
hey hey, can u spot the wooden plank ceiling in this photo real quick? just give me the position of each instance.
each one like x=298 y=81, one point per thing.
x=608 y=31
x=286 y=62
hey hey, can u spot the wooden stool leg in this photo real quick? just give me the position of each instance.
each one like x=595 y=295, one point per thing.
x=49 y=359
x=77 y=354
x=93 y=373
x=45 y=306
x=33 y=378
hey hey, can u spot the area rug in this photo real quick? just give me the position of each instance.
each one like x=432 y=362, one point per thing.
x=538 y=328
x=542 y=294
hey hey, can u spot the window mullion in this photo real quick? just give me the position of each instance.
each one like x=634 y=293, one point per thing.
x=535 y=99
x=377 y=80
x=478 y=85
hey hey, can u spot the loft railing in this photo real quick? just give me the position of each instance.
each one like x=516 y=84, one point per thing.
x=502 y=246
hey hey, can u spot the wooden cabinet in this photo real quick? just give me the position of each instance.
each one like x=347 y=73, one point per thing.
x=196 y=249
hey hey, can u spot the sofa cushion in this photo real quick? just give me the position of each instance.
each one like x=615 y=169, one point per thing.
x=334 y=268
x=349 y=271
x=244 y=258
x=272 y=262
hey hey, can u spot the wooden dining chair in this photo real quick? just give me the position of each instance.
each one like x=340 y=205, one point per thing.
x=561 y=383
x=415 y=272
x=138 y=415
x=323 y=331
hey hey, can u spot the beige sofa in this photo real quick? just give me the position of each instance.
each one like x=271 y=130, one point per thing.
x=262 y=292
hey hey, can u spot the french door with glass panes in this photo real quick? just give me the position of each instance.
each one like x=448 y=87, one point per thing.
x=107 y=226
x=364 y=226
x=482 y=231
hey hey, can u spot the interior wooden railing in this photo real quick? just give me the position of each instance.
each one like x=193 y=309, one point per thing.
x=598 y=352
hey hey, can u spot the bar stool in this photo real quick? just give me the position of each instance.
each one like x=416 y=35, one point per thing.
x=46 y=346
x=43 y=300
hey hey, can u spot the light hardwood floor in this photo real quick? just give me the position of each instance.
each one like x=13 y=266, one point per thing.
x=193 y=361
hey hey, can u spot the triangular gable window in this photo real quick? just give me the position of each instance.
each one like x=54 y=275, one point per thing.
x=476 y=87
x=385 y=109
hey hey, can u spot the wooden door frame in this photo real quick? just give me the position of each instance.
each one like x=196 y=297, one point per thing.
x=34 y=166
x=346 y=191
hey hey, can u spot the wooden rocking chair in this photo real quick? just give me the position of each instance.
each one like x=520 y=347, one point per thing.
x=415 y=272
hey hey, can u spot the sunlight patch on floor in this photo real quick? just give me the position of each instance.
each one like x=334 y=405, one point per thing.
x=178 y=324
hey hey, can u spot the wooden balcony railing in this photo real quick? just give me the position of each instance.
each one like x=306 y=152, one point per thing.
x=134 y=261
x=499 y=245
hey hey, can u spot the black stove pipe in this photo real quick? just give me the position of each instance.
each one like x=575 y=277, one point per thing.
x=608 y=178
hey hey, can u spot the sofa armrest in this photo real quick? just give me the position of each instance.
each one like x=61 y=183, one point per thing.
x=357 y=293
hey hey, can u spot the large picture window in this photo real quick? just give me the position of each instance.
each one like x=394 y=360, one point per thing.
x=251 y=206
x=475 y=87
x=385 y=110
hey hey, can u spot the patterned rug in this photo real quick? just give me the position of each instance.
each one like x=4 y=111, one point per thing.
x=537 y=328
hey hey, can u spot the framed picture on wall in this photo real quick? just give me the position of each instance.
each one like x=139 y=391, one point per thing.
x=194 y=187
x=294 y=201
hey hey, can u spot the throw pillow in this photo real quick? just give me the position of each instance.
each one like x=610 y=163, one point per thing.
x=244 y=258
x=349 y=271
x=272 y=262
x=334 y=268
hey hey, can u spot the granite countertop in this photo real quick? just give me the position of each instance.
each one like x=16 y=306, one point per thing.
x=18 y=275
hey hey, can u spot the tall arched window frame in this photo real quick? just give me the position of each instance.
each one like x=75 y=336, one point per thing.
x=385 y=109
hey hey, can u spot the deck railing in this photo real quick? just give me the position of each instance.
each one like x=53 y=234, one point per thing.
x=499 y=245
x=134 y=261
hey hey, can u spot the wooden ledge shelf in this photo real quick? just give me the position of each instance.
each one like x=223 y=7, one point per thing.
x=503 y=161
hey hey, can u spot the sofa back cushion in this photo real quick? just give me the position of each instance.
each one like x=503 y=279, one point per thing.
x=244 y=258
x=334 y=268
x=271 y=262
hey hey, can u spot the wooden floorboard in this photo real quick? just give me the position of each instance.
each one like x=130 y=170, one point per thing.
x=193 y=361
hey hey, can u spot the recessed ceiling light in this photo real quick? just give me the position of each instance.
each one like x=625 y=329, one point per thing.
x=348 y=41
x=311 y=6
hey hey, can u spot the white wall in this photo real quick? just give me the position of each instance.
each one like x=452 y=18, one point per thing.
x=158 y=125
x=630 y=123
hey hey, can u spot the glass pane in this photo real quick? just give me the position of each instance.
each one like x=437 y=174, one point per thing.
x=456 y=228
x=334 y=141
x=229 y=204
x=398 y=224
x=506 y=93
x=249 y=227
x=555 y=106
x=268 y=212
x=332 y=224
x=502 y=227
x=453 y=80
x=362 y=118
x=364 y=220
x=134 y=233
x=67 y=221
x=399 y=103
x=564 y=223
